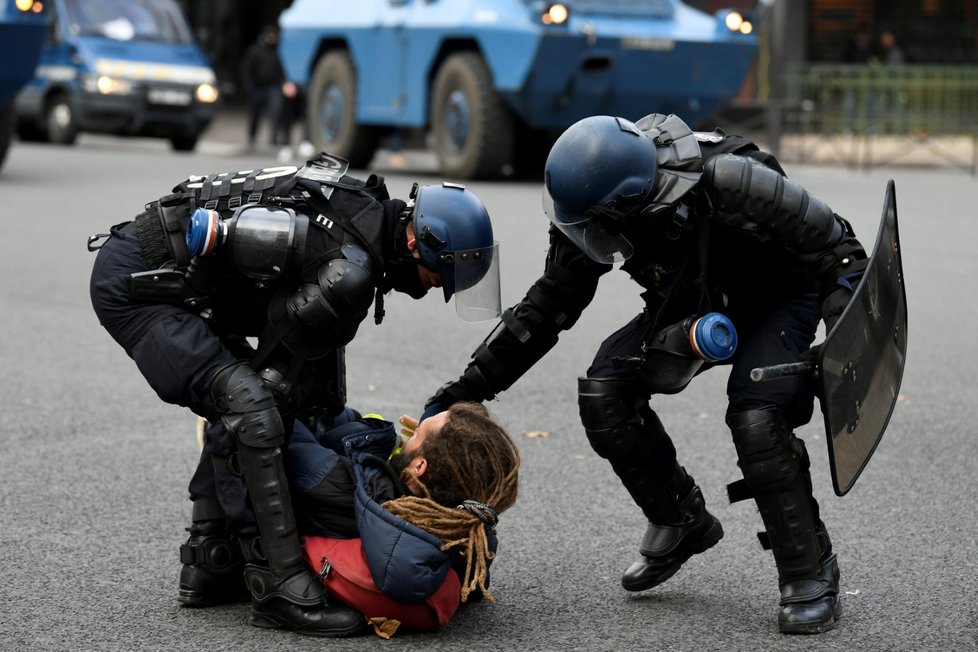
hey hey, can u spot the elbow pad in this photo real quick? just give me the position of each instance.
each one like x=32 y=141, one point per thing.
x=751 y=195
x=341 y=298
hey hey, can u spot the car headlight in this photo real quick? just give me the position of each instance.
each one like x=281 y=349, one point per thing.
x=207 y=93
x=106 y=85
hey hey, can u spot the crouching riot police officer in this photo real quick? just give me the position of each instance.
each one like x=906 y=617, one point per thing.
x=737 y=263
x=294 y=258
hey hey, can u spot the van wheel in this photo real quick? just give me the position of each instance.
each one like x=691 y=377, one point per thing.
x=472 y=128
x=184 y=142
x=29 y=132
x=59 y=121
x=332 y=112
x=6 y=129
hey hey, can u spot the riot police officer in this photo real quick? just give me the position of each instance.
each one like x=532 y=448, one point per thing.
x=737 y=262
x=294 y=258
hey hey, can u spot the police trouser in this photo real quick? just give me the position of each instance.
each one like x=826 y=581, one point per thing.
x=178 y=354
x=622 y=427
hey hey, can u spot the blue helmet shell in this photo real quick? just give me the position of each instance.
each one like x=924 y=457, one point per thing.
x=450 y=220
x=599 y=161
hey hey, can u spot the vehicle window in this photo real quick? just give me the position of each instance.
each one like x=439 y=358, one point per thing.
x=128 y=20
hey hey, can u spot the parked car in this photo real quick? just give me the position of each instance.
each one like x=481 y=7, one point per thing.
x=21 y=35
x=491 y=81
x=126 y=67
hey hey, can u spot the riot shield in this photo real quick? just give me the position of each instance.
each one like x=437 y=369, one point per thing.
x=862 y=359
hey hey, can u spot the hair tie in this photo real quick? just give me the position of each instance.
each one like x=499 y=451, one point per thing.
x=485 y=513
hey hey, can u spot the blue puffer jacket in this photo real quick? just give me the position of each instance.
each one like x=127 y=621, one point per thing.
x=406 y=562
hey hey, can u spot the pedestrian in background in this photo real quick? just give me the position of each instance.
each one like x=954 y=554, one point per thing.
x=264 y=80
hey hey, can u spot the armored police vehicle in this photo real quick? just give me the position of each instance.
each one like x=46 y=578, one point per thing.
x=126 y=67
x=21 y=34
x=491 y=81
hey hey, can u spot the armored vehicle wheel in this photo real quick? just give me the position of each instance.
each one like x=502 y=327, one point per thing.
x=184 y=142
x=534 y=147
x=6 y=129
x=59 y=121
x=471 y=125
x=332 y=112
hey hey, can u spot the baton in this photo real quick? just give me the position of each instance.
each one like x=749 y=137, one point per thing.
x=760 y=374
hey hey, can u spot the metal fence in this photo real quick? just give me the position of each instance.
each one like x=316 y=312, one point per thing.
x=872 y=108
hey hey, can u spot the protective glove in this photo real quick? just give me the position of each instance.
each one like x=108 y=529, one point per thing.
x=833 y=307
x=471 y=386
x=812 y=379
x=430 y=410
x=811 y=355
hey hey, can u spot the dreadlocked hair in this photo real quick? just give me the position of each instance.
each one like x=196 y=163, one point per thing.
x=471 y=480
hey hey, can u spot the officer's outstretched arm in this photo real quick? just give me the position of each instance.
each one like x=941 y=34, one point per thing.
x=528 y=330
x=751 y=195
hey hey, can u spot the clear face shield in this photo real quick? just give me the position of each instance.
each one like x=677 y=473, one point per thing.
x=590 y=235
x=475 y=277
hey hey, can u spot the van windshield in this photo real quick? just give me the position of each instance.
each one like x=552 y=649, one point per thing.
x=128 y=20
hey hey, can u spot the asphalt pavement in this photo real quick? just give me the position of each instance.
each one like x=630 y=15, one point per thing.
x=94 y=467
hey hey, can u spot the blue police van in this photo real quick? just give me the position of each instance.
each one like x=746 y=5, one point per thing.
x=21 y=35
x=125 y=67
x=490 y=82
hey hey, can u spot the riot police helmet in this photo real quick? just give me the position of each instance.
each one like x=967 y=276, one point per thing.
x=454 y=238
x=600 y=172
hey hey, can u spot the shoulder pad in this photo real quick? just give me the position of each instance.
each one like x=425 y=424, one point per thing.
x=675 y=143
x=679 y=159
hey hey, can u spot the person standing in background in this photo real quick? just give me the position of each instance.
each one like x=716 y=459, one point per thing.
x=264 y=82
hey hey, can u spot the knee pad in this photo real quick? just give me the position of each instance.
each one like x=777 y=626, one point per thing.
x=247 y=407
x=614 y=413
x=768 y=453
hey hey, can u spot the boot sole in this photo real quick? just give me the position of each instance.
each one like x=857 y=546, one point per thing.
x=704 y=543
x=196 y=600
x=271 y=622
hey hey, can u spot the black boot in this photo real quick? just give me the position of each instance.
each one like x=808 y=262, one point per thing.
x=623 y=429
x=811 y=606
x=285 y=592
x=776 y=469
x=213 y=566
x=666 y=547
x=298 y=602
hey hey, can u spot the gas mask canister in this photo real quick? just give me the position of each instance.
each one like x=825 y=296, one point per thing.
x=677 y=352
x=263 y=242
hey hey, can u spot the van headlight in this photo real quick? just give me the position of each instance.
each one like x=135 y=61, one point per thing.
x=106 y=85
x=207 y=93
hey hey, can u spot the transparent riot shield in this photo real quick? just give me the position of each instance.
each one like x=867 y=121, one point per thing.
x=861 y=362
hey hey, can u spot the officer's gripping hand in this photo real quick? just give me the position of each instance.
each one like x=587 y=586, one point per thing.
x=811 y=355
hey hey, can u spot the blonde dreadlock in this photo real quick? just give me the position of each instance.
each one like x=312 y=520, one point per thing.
x=471 y=480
